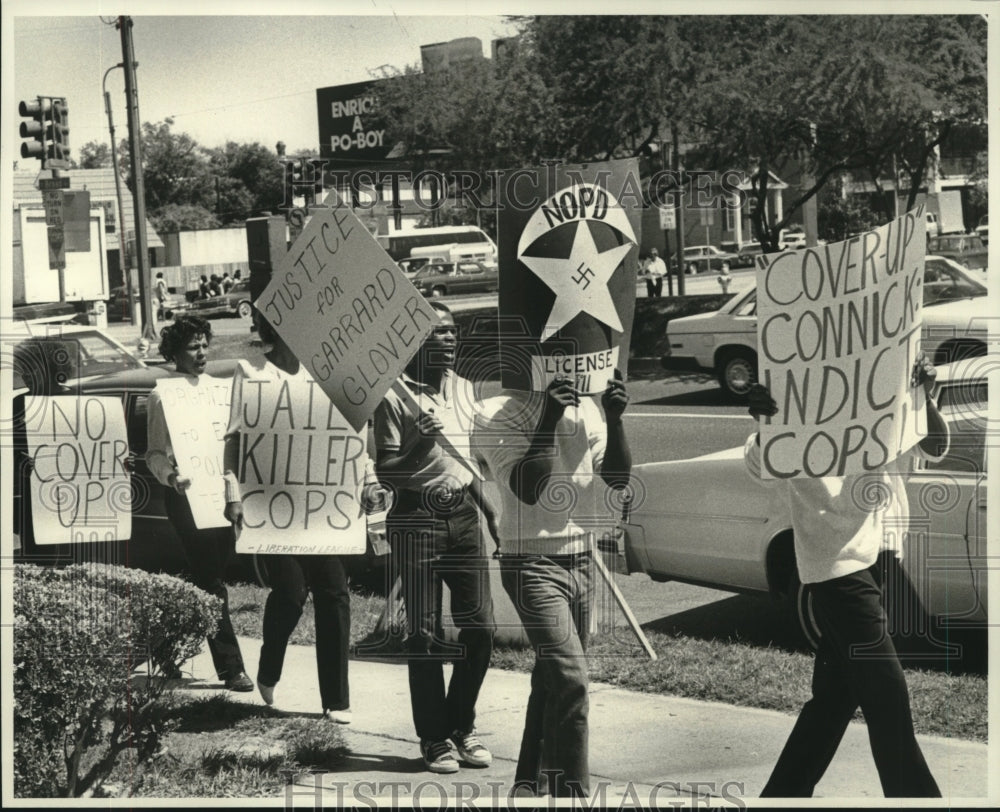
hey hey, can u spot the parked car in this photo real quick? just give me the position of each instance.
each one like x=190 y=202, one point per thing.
x=448 y=278
x=983 y=229
x=725 y=340
x=234 y=302
x=744 y=254
x=117 y=304
x=708 y=521
x=794 y=237
x=968 y=250
x=701 y=258
x=86 y=361
x=413 y=264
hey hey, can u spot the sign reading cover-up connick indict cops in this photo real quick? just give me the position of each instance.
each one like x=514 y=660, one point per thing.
x=838 y=329
x=197 y=416
x=568 y=248
x=81 y=490
x=346 y=310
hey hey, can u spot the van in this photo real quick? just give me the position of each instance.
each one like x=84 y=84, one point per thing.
x=458 y=252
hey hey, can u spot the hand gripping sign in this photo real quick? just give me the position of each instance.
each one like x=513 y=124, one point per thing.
x=568 y=247
x=838 y=329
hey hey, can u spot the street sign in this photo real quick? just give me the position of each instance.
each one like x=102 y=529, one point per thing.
x=57 y=248
x=668 y=217
x=52 y=199
x=76 y=219
x=48 y=184
x=707 y=216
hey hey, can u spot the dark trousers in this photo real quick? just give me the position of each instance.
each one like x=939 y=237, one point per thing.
x=431 y=548
x=654 y=286
x=208 y=554
x=856 y=665
x=553 y=597
x=291 y=578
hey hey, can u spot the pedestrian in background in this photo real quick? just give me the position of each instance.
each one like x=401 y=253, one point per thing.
x=545 y=450
x=841 y=533
x=208 y=551
x=656 y=269
x=434 y=530
x=292 y=577
x=724 y=279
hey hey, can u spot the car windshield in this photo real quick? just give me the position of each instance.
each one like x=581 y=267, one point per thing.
x=65 y=360
x=945 y=281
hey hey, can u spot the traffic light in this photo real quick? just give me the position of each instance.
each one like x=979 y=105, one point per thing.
x=38 y=128
x=59 y=149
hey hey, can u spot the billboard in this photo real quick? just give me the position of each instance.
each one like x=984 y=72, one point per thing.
x=350 y=134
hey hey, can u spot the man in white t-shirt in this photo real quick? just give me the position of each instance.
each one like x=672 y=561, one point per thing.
x=839 y=526
x=546 y=451
x=656 y=269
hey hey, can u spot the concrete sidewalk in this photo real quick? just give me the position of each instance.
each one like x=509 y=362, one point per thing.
x=644 y=748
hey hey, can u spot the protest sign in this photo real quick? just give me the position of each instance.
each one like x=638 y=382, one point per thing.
x=838 y=329
x=81 y=490
x=301 y=470
x=345 y=309
x=197 y=413
x=568 y=238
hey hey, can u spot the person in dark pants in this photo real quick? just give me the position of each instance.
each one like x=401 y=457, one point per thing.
x=840 y=539
x=656 y=269
x=185 y=342
x=546 y=451
x=434 y=533
x=292 y=577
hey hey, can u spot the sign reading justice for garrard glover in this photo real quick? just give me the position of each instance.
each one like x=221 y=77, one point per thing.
x=568 y=247
x=346 y=310
x=301 y=469
x=838 y=329
x=81 y=490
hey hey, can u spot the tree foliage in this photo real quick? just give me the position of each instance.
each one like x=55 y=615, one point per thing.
x=94 y=155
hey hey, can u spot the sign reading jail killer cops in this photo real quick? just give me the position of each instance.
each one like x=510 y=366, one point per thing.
x=838 y=328
x=197 y=416
x=81 y=490
x=301 y=470
x=346 y=310
x=568 y=238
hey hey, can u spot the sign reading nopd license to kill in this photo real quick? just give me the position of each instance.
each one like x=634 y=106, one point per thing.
x=838 y=328
x=568 y=248
x=81 y=490
x=346 y=310
x=301 y=468
x=197 y=414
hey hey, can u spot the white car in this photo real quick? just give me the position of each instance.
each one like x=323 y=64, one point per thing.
x=983 y=229
x=725 y=341
x=708 y=521
x=699 y=258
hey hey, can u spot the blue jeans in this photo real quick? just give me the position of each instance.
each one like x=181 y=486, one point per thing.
x=856 y=664
x=554 y=597
x=431 y=548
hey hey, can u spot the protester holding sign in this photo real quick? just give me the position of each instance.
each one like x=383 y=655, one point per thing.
x=841 y=524
x=434 y=532
x=282 y=393
x=545 y=451
x=208 y=551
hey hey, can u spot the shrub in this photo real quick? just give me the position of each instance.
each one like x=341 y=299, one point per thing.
x=79 y=634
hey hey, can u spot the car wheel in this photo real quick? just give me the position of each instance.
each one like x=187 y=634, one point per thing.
x=957 y=350
x=244 y=310
x=437 y=292
x=737 y=373
x=801 y=615
x=260 y=570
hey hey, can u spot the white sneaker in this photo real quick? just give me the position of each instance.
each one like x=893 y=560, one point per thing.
x=266 y=692
x=471 y=750
x=341 y=717
x=439 y=757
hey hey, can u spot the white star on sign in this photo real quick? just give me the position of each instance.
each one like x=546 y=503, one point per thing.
x=580 y=283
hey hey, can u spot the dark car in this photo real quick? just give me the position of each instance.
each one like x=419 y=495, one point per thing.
x=967 y=250
x=448 y=278
x=234 y=302
x=744 y=254
x=85 y=361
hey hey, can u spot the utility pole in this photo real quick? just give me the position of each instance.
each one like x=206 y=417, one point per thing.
x=139 y=190
x=675 y=161
x=122 y=241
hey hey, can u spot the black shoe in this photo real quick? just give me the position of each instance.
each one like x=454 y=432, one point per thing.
x=240 y=683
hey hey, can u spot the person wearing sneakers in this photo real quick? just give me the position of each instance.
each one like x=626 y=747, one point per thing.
x=545 y=451
x=292 y=577
x=208 y=552
x=434 y=533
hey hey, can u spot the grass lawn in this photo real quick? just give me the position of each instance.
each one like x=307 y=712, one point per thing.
x=717 y=670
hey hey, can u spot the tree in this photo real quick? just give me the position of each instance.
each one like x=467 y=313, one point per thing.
x=249 y=178
x=182 y=217
x=176 y=169
x=95 y=155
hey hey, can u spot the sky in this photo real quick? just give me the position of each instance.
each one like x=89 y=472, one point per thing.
x=223 y=77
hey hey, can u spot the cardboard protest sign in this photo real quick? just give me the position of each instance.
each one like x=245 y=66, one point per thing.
x=81 y=490
x=838 y=329
x=301 y=471
x=345 y=309
x=197 y=415
x=568 y=242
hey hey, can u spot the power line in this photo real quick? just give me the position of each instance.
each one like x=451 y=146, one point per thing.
x=241 y=104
